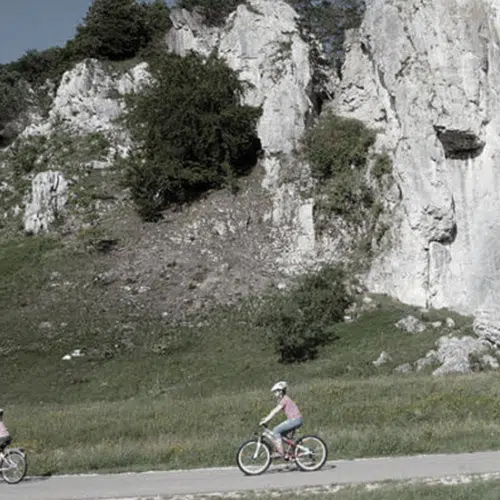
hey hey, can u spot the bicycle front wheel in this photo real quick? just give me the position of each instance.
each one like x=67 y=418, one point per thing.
x=14 y=466
x=253 y=457
x=311 y=453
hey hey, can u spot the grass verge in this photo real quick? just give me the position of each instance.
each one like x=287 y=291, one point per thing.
x=476 y=489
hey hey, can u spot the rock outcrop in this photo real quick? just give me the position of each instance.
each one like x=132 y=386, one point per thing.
x=89 y=99
x=49 y=195
x=426 y=75
x=262 y=41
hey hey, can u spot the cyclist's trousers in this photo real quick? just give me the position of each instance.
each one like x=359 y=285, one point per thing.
x=287 y=426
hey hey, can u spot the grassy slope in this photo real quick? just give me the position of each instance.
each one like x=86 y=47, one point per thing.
x=152 y=395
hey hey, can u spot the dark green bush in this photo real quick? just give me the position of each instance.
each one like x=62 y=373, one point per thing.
x=347 y=195
x=119 y=29
x=328 y=20
x=382 y=165
x=215 y=11
x=337 y=149
x=23 y=156
x=193 y=132
x=150 y=182
x=11 y=101
x=301 y=321
x=36 y=67
x=336 y=144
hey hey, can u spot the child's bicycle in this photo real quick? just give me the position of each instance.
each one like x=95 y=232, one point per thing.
x=254 y=456
x=13 y=464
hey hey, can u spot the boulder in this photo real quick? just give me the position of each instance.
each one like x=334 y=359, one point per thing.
x=411 y=324
x=49 y=195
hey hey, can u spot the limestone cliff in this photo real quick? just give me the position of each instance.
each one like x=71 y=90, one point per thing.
x=426 y=73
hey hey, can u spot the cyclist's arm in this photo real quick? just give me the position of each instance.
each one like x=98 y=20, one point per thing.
x=272 y=413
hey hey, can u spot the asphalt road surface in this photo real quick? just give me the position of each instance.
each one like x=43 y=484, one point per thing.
x=132 y=485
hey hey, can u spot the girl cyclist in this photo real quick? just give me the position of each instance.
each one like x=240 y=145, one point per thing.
x=5 y=438
x=292 y=412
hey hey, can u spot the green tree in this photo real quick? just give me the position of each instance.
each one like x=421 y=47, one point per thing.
x=35 y=67
x=193 y=131
x=156 y=19
x=119 y=29
x=11 y=102
x=337 y=149
x=299 y=322
x=328 y=20
x=336 y=144
x=214 y=11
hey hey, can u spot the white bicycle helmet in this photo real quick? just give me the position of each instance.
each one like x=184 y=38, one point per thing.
x=279 y=386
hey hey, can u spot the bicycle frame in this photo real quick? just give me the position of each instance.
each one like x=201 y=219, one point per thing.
x=5 y=460
x=293 y=447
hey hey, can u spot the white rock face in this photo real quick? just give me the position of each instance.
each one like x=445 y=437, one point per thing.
x=89 y=99
x=487 y=322
x=189 y=33
x=49 y=195
x=262 y=42
x=426 y=74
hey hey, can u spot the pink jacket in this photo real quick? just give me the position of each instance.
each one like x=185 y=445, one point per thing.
x=3 y=430
x=290 y=408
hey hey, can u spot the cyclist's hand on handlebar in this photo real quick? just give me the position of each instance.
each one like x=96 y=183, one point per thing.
x=263 y=422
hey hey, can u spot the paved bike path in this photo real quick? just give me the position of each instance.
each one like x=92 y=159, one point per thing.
x=131 y=485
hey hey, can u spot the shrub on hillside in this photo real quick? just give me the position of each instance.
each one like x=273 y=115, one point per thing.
x=337 y=149
x=382 y=165
x=301 y=321
x=119 y=29
x=329 y=20
x=336 y=144
x=35 y=67
x=11 y=100
x=192 y=130
x=214 y=11
x=30 y=71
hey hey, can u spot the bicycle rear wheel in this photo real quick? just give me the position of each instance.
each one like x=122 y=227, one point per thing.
x=253 y=457
x=311 y=453
x=14 y=466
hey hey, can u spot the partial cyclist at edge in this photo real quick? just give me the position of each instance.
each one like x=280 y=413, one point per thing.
x=292 y=412
x=5 y=437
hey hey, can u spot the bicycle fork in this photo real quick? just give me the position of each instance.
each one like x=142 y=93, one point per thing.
x=257 y=450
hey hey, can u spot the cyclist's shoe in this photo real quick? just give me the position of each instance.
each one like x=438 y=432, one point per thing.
x=276 y=456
